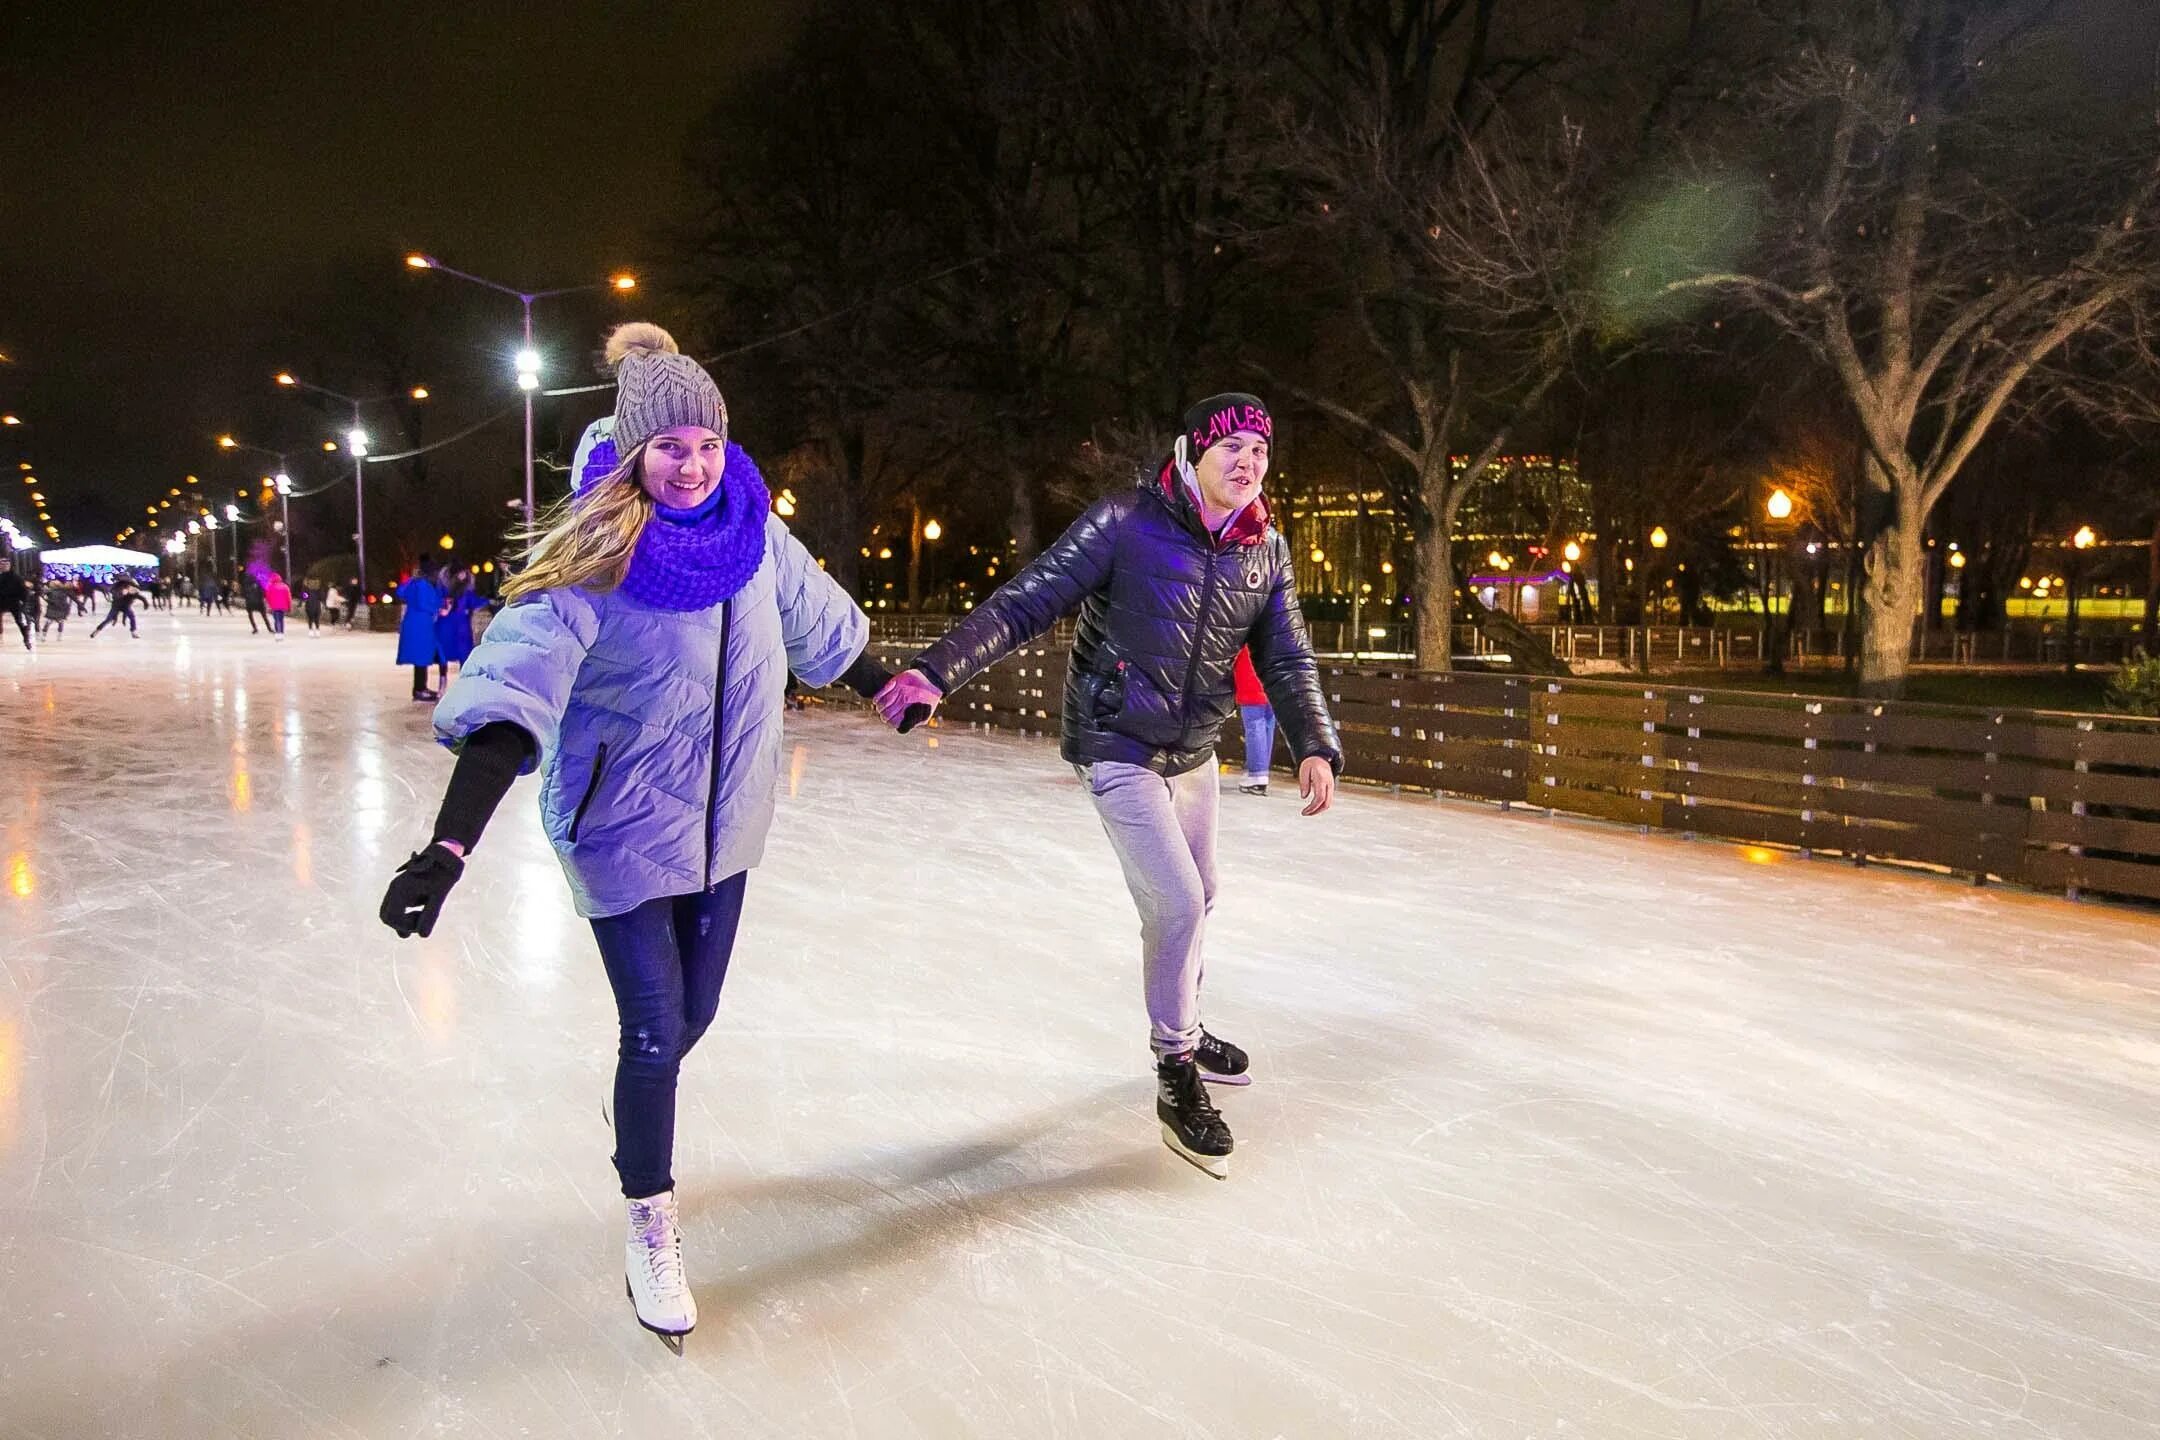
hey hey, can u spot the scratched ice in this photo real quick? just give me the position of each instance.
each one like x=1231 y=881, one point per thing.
x=1559 y=1130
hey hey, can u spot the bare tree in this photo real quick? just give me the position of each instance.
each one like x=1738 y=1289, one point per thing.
x=1934 y=255
x=1463 y=300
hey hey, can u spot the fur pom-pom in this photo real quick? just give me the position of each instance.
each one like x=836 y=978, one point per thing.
x=641 y=337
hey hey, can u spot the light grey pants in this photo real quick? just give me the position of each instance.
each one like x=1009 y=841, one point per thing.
x=1163 y=829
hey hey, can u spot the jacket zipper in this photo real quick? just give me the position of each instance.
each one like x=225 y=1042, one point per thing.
x=1192 y=665
x=719 y=711
x=592 y=788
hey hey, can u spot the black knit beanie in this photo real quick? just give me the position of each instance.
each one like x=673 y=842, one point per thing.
x=1220 y=415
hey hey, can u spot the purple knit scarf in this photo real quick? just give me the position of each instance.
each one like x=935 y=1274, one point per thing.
x=697 y=565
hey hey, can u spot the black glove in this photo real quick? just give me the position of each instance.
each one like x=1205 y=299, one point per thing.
x=416 y=894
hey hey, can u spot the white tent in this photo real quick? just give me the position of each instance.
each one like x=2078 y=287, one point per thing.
x=96 y=561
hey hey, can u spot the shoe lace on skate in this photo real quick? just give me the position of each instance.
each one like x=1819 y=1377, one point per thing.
x=663 y=1262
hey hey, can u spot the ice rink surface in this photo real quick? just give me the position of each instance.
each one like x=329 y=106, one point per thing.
x=1558 y=1130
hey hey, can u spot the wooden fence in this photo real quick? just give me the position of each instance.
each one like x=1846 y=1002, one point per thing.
x=2054 y=801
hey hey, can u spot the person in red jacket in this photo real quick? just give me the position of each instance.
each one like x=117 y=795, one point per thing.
x=277 y=595
x=1259 y=718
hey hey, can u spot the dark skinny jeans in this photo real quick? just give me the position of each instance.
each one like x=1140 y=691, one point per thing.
x=665 y=961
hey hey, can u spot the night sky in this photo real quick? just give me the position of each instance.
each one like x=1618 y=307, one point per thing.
x=180 y=175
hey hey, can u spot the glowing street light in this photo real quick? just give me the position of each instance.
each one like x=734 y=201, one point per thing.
x=10 y=420
x=932 y=530
x=1779 y=505
x=1571 y=552
x=418 y=392
x=528 y=359
x=1659 y=539
x=2081 y=542
x=356 y=442
x=447 y=543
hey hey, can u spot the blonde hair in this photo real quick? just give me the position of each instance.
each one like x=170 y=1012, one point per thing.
x=588 y=538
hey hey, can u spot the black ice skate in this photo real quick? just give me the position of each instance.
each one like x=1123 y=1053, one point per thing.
x=1221 y=1063
x=1191 y=1125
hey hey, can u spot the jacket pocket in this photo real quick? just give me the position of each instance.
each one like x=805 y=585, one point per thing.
x=592 y=788
x=1107 y=694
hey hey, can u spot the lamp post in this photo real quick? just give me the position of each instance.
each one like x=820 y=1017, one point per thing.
x=282 y=481
x=1779 y=507
x=2081 y=542
x=356 y=442
x=528 y=359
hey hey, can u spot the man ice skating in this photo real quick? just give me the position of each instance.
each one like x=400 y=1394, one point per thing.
x=1170 y=580
x=15 y=599
x=122 y=597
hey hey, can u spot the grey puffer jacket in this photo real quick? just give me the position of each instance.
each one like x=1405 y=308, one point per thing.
x=652 y=784
x=1164 y=609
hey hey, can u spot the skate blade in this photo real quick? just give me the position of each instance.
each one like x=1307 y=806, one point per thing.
x=1215 y=1165
x=1214 y=1079
x=673 y=1339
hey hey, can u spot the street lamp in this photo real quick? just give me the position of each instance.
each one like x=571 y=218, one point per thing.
x=1779 y=507
x=282 y=481
x=356 y=442
x=2081 y=542
x=528 y=359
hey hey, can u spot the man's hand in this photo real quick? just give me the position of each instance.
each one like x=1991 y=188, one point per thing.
x=1316 y=784
x=904 y=692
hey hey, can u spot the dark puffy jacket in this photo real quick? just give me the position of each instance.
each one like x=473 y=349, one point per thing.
x=1164 y=609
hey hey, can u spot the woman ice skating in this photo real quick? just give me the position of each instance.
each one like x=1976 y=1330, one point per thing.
x=638 y=664
x=277 y=597
x=422 y=598
x=453 y=627
x=1169 y=580
x=59 y=600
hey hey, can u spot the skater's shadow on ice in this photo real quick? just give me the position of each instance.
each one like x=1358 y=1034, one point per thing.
x=874 y=1216
x=382 y=1342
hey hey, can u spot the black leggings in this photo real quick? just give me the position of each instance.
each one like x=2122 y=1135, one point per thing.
x=665 y=962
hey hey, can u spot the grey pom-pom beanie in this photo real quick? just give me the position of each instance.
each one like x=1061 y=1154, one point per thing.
x=657 y=386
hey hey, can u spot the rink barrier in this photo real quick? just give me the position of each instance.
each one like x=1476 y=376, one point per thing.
x=2051 y=800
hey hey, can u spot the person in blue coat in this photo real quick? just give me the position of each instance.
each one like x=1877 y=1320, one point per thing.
x=453 y=628
x=638 y=665
x=422 y=597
